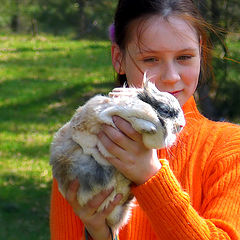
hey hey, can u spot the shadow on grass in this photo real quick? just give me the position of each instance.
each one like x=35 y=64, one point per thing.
x=94 y=45
x=29 y=49
x=42 y=91
x=39 y=110
x=24 y=207
x=34 y=152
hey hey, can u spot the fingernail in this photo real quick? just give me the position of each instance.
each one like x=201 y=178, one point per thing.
x=110 y=189
x=107 y=191
x=74 y=185
x=118 y=197
x=99 y=134
x=114 y=118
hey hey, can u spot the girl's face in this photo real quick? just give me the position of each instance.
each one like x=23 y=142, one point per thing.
x=169 y=51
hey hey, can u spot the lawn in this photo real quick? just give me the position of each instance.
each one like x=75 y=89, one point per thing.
x=42 y=81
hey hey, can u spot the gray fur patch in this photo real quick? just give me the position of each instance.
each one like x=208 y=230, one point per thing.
x=90 y=173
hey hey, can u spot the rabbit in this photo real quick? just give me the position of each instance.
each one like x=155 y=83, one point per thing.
x=76 y=152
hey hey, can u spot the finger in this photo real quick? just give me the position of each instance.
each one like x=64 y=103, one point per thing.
x=118 y=144
x=121 y=94
x=124 y=90
x=116 y=92
x=72 y=190
x=128 y=89
x=112 y=205
x=71 y=195
x=126 y=127
x=93 y=204
x=115 y=142
x=119 y=89
x=112 y=137
x=120 y=165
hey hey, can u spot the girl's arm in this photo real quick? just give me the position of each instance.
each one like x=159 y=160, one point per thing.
x=65 y=215
x=64 y=224
x=169 y=209
x=161 y=197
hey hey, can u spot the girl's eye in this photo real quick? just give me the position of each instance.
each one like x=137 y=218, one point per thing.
x=150 y=60
x=184 y=57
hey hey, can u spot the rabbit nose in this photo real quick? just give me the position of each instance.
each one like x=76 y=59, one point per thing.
x=177 y=128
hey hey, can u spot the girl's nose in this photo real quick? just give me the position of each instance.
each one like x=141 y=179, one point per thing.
x=170 y=74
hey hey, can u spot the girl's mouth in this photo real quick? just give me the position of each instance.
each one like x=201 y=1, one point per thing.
x=176 y=93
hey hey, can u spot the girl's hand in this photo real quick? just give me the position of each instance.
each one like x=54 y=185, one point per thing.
x=95 y=222
x=132 y=158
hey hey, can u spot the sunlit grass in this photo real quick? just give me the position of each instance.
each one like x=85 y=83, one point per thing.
x=42 y=81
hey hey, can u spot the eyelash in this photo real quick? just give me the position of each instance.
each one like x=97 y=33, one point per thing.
x=184 y=57
x=150 y=60
x=180 y=58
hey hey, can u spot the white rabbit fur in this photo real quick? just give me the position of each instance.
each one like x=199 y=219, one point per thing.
x=76 y=151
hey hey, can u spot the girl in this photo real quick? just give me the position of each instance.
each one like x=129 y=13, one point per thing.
x=190 y=191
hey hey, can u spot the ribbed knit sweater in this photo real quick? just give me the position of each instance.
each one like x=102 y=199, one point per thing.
x=195 y=195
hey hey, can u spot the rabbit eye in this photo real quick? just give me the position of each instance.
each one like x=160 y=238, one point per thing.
x=162 y=109
x=166 y=111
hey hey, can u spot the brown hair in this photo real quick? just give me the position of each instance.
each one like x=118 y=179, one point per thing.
x=129 y=10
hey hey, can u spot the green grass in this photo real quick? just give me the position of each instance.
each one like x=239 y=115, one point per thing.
x=42 y=81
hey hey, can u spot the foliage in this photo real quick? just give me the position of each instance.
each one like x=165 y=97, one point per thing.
x=90 y=17
x=82 y=17
x=42 y=81
x=220 y=92
x=222 y=13
x=226 y=95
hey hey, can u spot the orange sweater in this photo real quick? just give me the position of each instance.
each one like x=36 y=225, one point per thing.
x=195 y=195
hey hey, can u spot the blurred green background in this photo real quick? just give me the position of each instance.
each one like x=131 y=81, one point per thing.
x=54 y=55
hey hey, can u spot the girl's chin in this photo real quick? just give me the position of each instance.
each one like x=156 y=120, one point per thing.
x=179 y=96
x=182 y=99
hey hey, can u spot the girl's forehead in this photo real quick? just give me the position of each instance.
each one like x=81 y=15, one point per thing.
x=167 y=34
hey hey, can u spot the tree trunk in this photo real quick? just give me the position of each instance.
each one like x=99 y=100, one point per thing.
x=34 y=26
x=81 y=20
x=14 y=24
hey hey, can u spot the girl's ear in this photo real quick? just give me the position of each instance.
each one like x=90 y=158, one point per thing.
x=117 y=59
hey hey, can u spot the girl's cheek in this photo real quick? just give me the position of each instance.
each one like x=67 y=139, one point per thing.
x=191 y=76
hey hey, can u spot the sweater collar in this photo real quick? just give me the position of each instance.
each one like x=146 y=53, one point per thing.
x=190 y=110
x=192 y=115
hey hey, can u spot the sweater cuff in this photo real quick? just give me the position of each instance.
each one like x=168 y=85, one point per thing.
x=160 y=190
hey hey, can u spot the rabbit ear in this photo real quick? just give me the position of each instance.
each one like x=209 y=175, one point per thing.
x=145 y=80
x=147 y=84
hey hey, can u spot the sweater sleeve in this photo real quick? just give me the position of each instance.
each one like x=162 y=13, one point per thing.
x=169 y=210
x=64 y=224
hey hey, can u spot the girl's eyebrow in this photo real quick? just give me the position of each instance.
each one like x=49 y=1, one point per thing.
x=190 y=49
